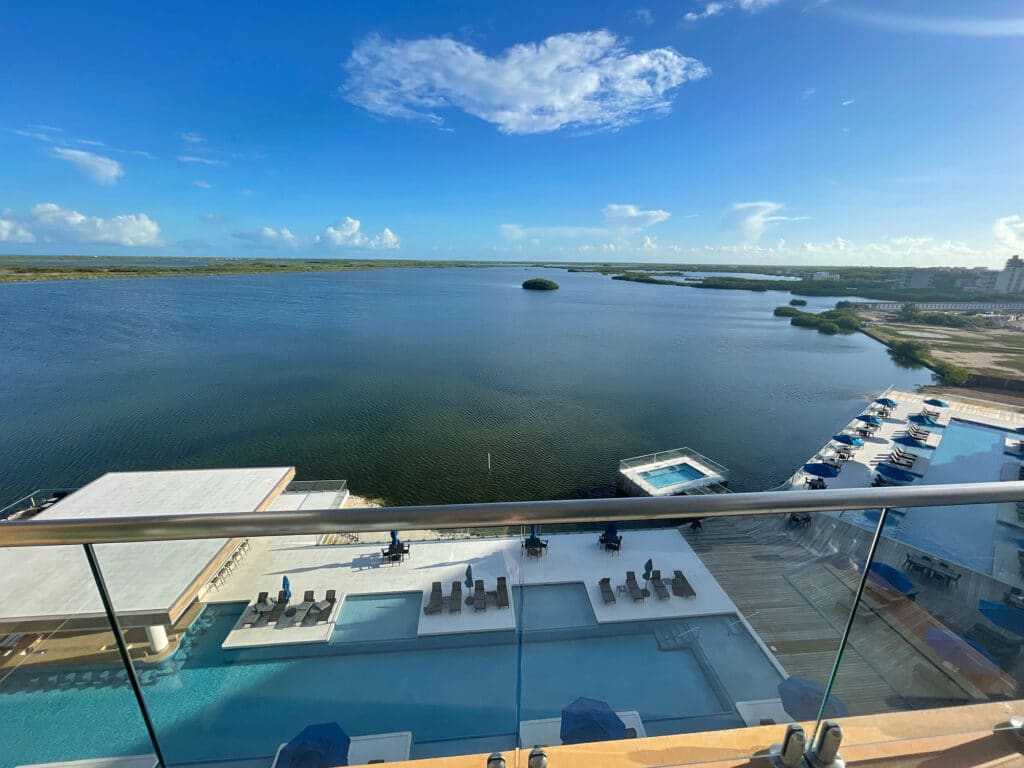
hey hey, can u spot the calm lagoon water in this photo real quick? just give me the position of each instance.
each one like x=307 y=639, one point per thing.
x=403 y=380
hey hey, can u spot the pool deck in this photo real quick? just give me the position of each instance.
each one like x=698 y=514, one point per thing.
x=357 y=570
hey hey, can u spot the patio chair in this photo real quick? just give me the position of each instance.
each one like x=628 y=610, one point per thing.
x=436 y=600
x=455 y=601
x=681 y=587
x=634 y=589
x=479 y=596
x=303 y=608
x=607 y=593
x=502 y=592
x=275 y=613
x=659 y=586
x=900 y=461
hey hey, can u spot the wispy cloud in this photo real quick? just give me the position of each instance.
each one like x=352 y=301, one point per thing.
x=199 y=160
x=584 y=80
x=1009 y=232
x=104 y=170
x=619 y=219
x=643 y=16
x=847 y=102
x=192 y=138
x=48 y=222
x=345 y=233
x=201 y=184
x=752 y=219
x=719 y=7
x=37 y=135
x=1010 y=26
x=808 y=93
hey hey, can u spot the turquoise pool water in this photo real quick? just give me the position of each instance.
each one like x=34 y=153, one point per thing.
x=677 y=473
x=965 y=535
x=459 y=694
x=365 y=618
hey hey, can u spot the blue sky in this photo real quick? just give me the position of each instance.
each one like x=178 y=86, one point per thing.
x=738 y=131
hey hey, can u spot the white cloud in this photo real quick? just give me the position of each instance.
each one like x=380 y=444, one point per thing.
x=346 y=233
x=201 y=184
x=104 y=170
x=192 y=138
x=37 y=135
x=48 y=222
x=643 y=16
x=808 y=92
x=631 y=216
x=719 y=7
x=958 y=27
x=754 y=218
x=1009 y=232
x=649 y=243
x=581 y=80
x=847 y=102
x=199 y=160
x=270 y=236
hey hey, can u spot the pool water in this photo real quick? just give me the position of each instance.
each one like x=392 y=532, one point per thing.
x=673 y=475
x=458 y=694
x=365 y=618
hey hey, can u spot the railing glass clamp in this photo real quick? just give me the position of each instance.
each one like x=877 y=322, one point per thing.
x=825 y=753
x=790 y=753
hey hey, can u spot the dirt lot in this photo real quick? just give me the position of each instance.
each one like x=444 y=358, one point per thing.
x=992 y=352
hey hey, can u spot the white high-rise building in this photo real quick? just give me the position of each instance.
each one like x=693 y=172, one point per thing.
x=1011 y=279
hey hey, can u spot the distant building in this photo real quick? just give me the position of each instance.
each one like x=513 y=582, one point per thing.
x=1011 y=279
x=823 y=276
x=918 y=278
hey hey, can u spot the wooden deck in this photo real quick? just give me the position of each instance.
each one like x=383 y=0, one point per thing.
x=798 y=602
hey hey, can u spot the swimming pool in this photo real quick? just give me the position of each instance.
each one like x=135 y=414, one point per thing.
x=458 y=694
x=966 y=535
x=673 y=475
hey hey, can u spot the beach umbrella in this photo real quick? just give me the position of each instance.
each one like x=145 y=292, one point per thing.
x=469 y=576
x=1003 y=615
x=287 y=587
x=821 y=470
x=959 y=652
x=533 y=531
x=587 y=720
x=920 y=418
x=868 y=419
x=648 y=567
x=888 y=402
x=936 y=402
x=394 y=538
x=892 y=577
x=801 y=698
x=317 y=746
x=845 y=439
x=611 y=532
x=895 y=474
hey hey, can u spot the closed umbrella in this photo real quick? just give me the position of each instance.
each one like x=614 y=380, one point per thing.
x=648 y=567
x=936 y=402
x=533 y=531
x=286 y=586
x=887 y=402
x=821 y=470
x=587 y=720
x=868 y=419
x=1003 y=615
x=956 y=650
x=611 y=532
x=895 y=474
x=469 y=576
x=317 y=746
x=845 y=439
x=394 y=538
x=890 y=576
x=801 y=698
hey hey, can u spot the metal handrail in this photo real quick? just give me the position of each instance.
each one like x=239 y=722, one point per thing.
x=42 y=531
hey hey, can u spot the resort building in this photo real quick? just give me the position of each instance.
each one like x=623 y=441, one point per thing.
x=1011 y=279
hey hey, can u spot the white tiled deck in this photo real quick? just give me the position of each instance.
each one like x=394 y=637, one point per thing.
x=356 y=569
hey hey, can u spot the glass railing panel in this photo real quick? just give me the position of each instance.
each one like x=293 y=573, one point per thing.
x=936 y=626
x=64 y=691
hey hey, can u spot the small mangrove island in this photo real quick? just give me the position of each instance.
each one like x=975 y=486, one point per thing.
x=540 y=284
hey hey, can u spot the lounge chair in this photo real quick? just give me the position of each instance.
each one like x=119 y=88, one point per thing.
x=634 y=589
x=502 y=592
x=275 y=613
x=681 y=587
x=257 y=610
x=436 y=601
x=322 y=609
x=659 y=586
x=455 y=601
x=900 y=461
x=607 y=593
x=917 y=433
x=479 y=596
x=303 y=608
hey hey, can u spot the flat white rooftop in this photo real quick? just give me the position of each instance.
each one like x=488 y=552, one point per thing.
x=54 y=583
x=357 y=569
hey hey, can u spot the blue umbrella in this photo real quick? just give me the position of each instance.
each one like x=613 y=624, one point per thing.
x=587 y=720
x=533 y=531
x=648 y=567
x=318 y=746
x=801 y=698
x=1003 y=615
x=891 y=576
x=821 y=470
x=611 y=532
x=469 y=576
x=870 y=420
x=895 y=474
x=394 y=538
x=920 y=418
x=287 y=587
x=888 y=402
x=936 y=402
x=958 y=651
x=847 y=440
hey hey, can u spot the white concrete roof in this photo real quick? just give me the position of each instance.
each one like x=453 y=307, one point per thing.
x=146 y=577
